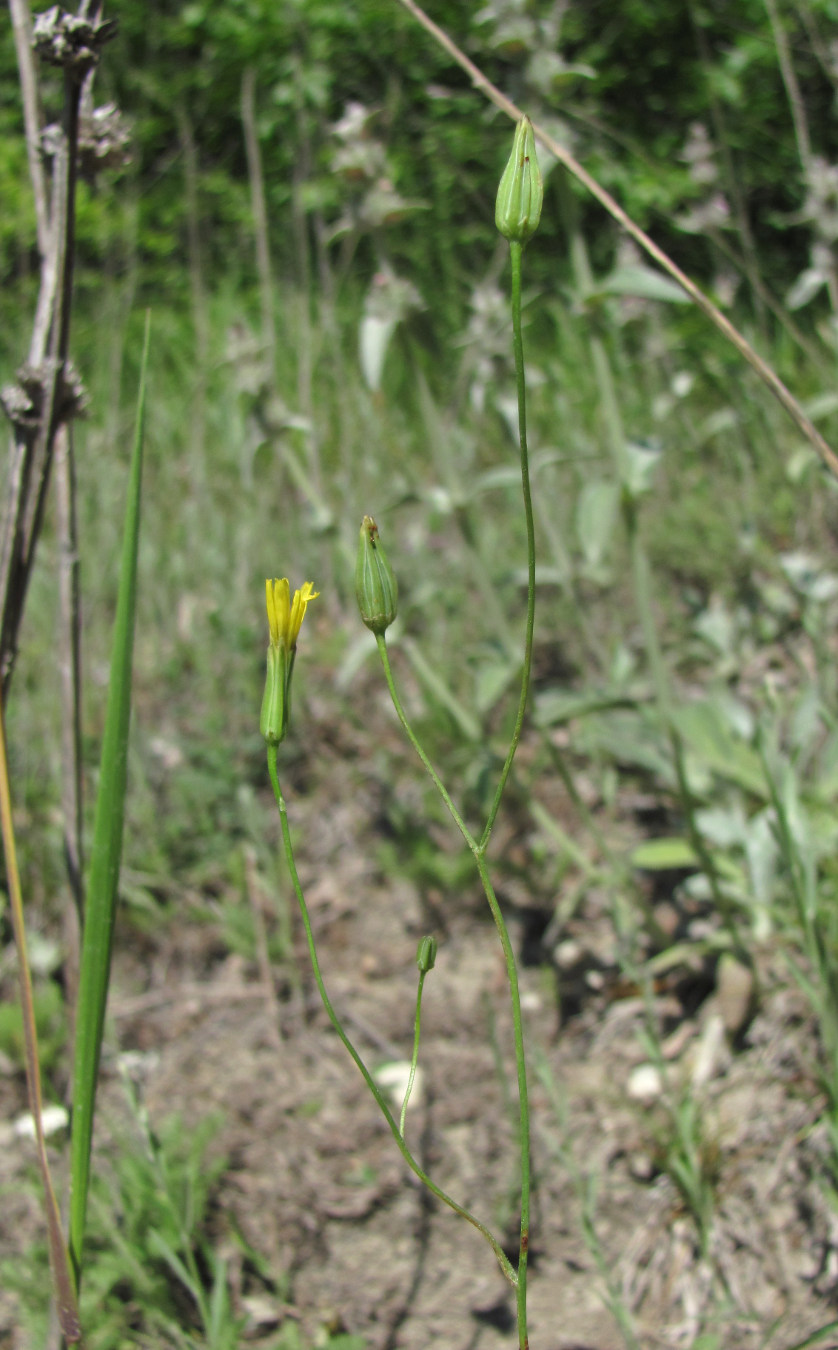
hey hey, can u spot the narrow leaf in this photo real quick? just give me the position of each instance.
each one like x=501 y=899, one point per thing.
x=106 y=852
x=660 y=855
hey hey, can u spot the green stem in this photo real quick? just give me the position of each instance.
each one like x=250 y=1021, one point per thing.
x=417 y=1023
x=523 y=1098
x=411 y=736
x=478 y=850
x=503 y=1260
x=516 y=252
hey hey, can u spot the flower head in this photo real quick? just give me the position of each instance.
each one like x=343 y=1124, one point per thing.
x=285 y=617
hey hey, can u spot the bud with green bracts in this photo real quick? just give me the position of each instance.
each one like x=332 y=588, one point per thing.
x=376 y=589
x=285 y=617
x=273 y=722
x=521 y=192
x=426 y=955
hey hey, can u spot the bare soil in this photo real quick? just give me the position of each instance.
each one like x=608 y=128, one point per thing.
x=348 y=1240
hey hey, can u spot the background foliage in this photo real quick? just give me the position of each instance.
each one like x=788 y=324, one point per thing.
x=377 y=377
x=621 y=82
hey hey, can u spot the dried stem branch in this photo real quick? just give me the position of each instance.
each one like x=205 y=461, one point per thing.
x=47 y=394
x=69 y=658
x=22 y=28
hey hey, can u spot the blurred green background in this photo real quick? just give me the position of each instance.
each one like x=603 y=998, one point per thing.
x=349 y=352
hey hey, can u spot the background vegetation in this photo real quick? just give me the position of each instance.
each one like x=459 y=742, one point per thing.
x=351 y=353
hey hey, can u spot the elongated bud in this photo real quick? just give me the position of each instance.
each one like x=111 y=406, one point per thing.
x=273 y=722
x=426 y=955
x=521 y=192
x=376 y=589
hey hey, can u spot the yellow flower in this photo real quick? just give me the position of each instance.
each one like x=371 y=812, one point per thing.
x=285 y=619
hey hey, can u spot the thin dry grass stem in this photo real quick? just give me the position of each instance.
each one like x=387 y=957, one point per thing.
x=792 y=88
x=768 y=376
x=255 y=897
x=59 y=1261
x=197 y=287
x=69 y=659
x=749 y=262
x=22 y=29
x=260 y=216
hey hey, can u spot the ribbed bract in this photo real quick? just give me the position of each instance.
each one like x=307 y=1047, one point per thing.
x=376 y=588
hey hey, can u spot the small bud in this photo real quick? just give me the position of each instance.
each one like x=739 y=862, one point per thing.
x=426 y=955
x=521 y=192
x=376 y=588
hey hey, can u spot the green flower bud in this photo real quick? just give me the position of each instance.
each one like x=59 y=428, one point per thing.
x=426 y=955
x=521 y=192
x=376 y=588
x=273 y=722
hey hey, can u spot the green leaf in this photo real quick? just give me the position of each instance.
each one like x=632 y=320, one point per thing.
x=644 y=284
x=708 y=734
x=439 y=690
x=596 y=519
x=659 y=855
x=816 y=1337
x=106 y=853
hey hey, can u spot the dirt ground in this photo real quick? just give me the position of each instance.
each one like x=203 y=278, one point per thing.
x=349 y=1241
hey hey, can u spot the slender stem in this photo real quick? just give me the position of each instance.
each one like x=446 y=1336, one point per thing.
x=62 y=1273
x=260 y=217
x=479 y=849
x=411 y=736
x=523 y=1097
x=22 y=29
x=68 y=650
x=417 y=1025
x=503 y=1260
x=520 y=1280
x=516 y=252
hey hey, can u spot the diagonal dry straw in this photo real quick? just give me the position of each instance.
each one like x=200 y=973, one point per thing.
x=68 y=1313
x=100 y=906
x=768 y=376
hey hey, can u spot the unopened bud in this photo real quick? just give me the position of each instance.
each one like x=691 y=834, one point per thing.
x=521 y=192
x=376 y=588
x=426 y=955
x=273 y=722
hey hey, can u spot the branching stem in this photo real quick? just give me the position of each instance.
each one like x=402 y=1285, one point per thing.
x=503 y=1260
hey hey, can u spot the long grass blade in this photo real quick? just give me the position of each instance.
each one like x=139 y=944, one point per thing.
x=106 y=853
x=68 y=1313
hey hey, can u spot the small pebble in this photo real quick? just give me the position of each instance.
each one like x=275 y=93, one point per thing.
x=645 y=1083
x=53 y=1119
x=735 y=993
